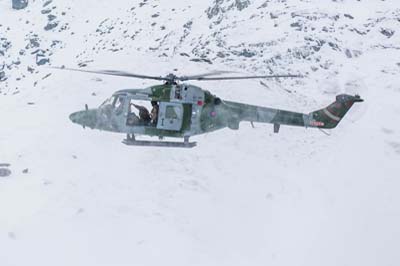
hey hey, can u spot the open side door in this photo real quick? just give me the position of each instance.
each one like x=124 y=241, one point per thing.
x=170 y=116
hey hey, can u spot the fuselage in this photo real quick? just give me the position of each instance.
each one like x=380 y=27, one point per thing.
x=185 y=110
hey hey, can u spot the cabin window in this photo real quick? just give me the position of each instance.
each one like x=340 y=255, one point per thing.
x=170 y=116
x=171 y=113
x=178 y=92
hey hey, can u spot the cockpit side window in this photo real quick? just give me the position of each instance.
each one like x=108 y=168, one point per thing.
x=109 y=101
x=118 y=103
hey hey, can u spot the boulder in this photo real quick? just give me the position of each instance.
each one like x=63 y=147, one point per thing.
x=42 y=60
x=2 y=76
x=4 y=172
x=19 y=4
x=51 y=25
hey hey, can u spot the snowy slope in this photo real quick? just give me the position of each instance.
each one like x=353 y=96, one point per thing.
x=247 y=197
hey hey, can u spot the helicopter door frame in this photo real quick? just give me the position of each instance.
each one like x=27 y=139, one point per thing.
x=170 y=116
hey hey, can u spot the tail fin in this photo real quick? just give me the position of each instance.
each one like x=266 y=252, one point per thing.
x=330 y=116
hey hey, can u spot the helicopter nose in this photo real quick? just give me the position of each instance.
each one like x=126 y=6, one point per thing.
x=84 y=118
x=74 y=117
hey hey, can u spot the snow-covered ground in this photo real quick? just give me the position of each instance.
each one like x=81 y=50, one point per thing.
x=247 y=197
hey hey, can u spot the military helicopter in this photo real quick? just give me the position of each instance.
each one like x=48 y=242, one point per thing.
x=182 y=110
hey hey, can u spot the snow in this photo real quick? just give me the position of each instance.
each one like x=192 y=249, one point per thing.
x=247 y=197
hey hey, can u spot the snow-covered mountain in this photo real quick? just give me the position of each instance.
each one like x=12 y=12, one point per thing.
x=250 y=197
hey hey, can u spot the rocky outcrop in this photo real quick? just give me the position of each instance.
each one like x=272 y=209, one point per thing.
x=254 y=35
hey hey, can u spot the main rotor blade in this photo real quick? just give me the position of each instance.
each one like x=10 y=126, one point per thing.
x=249 y=77
x=114 y=73
x=194 y=77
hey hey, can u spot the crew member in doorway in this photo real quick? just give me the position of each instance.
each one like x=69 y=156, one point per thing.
x=154 y=112
x=144 y=114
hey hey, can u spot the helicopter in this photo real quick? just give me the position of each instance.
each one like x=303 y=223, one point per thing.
x=182 y=110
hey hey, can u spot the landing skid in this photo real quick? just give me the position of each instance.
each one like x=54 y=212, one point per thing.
x=131 y=141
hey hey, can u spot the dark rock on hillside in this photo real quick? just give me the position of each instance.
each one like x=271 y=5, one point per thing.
x=297 y=25
x=142 y=3
x=39 y=52
x=34 y=42
x=30 y=69
x=218 y=9
x=349 y=16
x=273 y=16
x=4 y=172
x=245 y=53
x=51 y=25
x=45 y=11
x=200 y=60
x=55 y=43
x=2 y=76
x=334 y=46
x=41 y=60
x=348 y=53
x=51 y=17
x=215 y=10
x=263 y=5
x=242 y=4
x=4 y=44
x=19 y=4
x=387 y=32
x=47 y=3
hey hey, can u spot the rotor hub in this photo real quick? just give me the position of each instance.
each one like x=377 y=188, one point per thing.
x=171 y=78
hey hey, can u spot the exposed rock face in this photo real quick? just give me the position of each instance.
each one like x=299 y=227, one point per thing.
x=19 y=4
x=4 y=172
x=221 y=6
x=51 y=25
x=2 y=76
x=387 y=32
x=257 y=35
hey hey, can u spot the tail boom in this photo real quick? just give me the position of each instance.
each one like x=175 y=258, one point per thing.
x=328 y=117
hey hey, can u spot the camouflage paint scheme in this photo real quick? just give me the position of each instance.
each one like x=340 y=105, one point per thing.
x=198 y=111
